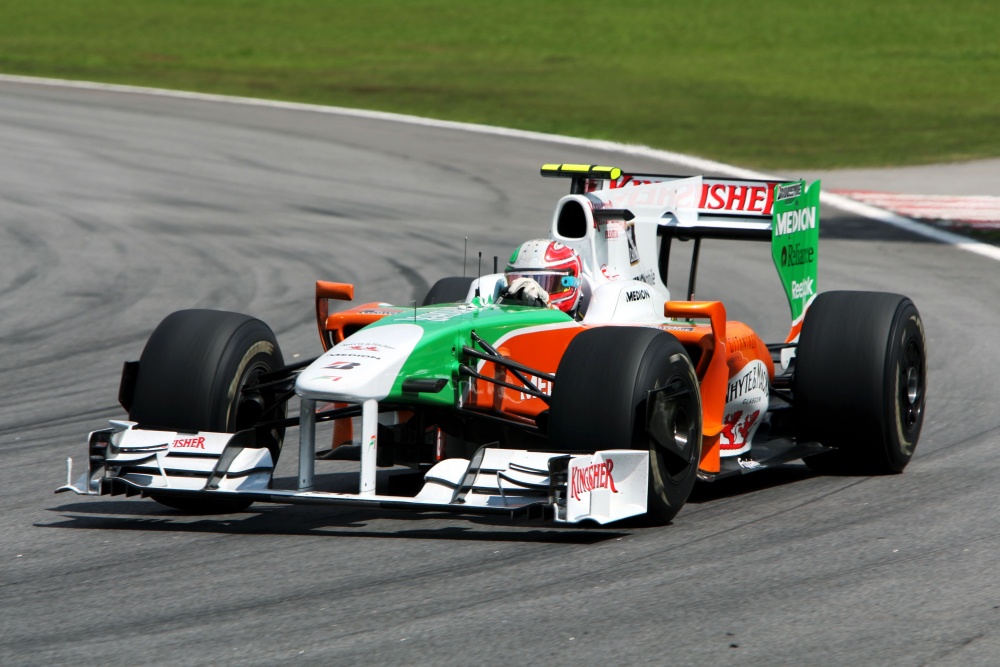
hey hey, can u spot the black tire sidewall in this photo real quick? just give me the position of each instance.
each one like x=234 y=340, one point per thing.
x=846 y=374
x=900 y=439
x=193 y=367
x=668 y=494
x=191 y=373
x=599 y=401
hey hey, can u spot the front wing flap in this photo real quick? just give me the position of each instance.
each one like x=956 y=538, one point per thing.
x=605 y=486
x=171 y=461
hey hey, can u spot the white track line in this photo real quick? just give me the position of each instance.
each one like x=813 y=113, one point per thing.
x=689 y=161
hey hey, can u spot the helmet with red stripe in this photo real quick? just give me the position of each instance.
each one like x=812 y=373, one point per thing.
x=554 y=266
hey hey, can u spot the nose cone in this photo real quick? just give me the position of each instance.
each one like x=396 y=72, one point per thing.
x=361 y=367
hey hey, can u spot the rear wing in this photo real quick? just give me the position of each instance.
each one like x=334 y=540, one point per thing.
x=727 y=208
x=693 y=208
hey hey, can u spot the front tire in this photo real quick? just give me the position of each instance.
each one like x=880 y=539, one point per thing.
x=193 y=376
x=601 y=400
x=860 y=381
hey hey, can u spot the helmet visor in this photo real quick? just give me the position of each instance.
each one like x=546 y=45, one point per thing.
x=553 y=282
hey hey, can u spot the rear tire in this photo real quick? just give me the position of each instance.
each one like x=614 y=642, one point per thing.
x=192 y=374
x=453 y=289
x=860 y=381
x=599 y=401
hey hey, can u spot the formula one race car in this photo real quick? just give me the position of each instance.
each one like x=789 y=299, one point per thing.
x=481 y=403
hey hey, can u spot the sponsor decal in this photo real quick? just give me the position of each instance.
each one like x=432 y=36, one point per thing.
x=790 y=222
x=649 y=277
x=752 y=377
x=374 y=347
x=795 y=242
x=355 y=354
x=613 y=230
x=189 y=443
x=442 y=314
x=736 y=198
x=716 y=195
x=789 y=191
x=596 y=476
x=543 y=385
x=746 y=400
x=802 y=290
x=637 y=295
x=371 y=442
x=750 y=464
x=664 y=194
x=794 y=254
x=373 y=311
x=608 y=274
x=343 y=365
x=633 y=247
x=737 y=428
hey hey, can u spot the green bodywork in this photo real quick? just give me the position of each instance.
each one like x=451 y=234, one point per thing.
x=447 y=328
x=795 y=242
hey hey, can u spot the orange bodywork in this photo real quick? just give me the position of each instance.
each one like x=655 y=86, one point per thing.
x=719 y=349
x=540 y=350
x=715 y=347
x=726 y=347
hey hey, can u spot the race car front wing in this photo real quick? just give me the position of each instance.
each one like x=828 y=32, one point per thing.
x=603 y=487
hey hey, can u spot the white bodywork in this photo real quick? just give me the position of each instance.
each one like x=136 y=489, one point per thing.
x=168 y=460
x=624 y=253
x=362 y=367
x=622 y=285
x=620 y=258
x=603 y=487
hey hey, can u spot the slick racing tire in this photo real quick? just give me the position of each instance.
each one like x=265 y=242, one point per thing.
x=601 y=400
x=453 y=289
x=193 y=376
x=860 y=381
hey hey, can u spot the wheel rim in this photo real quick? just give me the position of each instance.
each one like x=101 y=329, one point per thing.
x=251 y=406
x=672 y=425
x=911 y=386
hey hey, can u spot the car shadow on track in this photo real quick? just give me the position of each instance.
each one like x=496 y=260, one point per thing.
x=319 y=522
x=133 y=514
x=789 y=473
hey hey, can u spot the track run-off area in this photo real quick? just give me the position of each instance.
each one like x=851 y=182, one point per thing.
x=118 y=207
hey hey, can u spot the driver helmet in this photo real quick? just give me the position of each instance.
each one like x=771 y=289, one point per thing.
x=555 y=267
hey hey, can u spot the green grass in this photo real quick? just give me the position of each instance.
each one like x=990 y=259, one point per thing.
x=771 y=84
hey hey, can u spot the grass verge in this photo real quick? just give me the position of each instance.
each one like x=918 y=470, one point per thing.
x=773 y=84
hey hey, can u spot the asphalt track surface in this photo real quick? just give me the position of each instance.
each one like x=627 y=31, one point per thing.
x=117 y=209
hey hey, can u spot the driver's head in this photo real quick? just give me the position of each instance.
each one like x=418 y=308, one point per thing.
x=555 y=267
